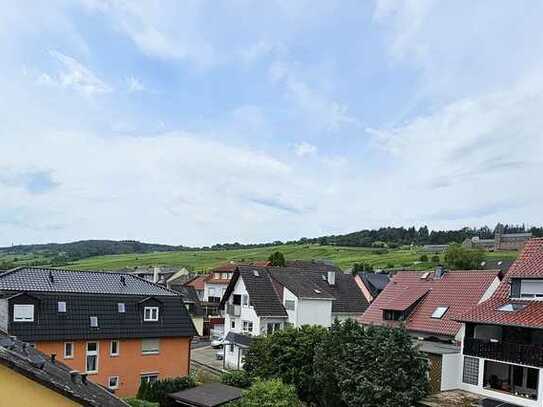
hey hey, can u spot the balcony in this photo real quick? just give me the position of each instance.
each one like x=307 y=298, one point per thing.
x=233 y=310
x=531 y=355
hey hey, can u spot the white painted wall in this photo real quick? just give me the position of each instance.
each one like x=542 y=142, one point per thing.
x=218 y=288
x=314 y=312
x=490 y=290
x=450 y=368
x=293 y=314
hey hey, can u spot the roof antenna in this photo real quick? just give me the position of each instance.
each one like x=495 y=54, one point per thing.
x=51 y=278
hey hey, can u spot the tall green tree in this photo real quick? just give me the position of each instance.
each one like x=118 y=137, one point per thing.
x=277 y=259
x=460 y=258
x=288 y=355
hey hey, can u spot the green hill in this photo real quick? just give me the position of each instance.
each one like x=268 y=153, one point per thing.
x=202 y=260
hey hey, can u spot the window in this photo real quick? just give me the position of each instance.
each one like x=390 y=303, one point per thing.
x=392 y=315
x=114 y=348
x=149 y=378
x=470 y=375
x=290 y=305
x=211 y=292
x=531 y=288
x=150 y=314
x=68 y=350
x=233 y=324
x=91 y=365
x=439 y=312
x=248 y=326
x=150 y=346
x=113 y=382
x=245 y=300
x=236 y=299
x=23 y=313
x=61 y=306
x=224 y=276
x=121 y=307
x=273 y=326
x=217 y=276
x=94 y=322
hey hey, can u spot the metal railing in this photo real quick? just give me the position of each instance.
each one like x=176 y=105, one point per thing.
x=531 y=355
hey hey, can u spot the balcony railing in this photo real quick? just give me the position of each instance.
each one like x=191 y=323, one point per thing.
x=531 y=355
x=233 y=310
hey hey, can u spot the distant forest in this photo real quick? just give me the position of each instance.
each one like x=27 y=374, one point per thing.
x=392 y=237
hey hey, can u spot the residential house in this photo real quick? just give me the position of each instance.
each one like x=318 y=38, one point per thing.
x=198 y=283
x=428 y=304
x=261 y=300
x=194 y=307
x=371 y=284
x=501 y=241
x=30 y=378
x=115 y=327
x=503 y=345
x=157 y=275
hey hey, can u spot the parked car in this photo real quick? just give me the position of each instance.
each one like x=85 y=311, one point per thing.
x=217 y=343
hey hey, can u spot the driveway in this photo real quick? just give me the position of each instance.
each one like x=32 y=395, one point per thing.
x=207 y=356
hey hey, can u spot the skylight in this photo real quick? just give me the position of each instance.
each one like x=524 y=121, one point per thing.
x=317 y=291
x=425 y=276
x=512 y=307
x=256 y=273
x=439 y=312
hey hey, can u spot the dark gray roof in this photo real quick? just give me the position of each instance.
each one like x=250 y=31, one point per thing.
x=502 y=265
x=375 y=282
x=263 y=297
x=239 y=339
x=34 y=279
x=207 y=395
x=56 y=376
x=190 y=296
x=304 y=284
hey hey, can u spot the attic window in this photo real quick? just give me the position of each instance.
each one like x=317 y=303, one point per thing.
x=61 y=306
x=94 y=322
x=121 y=307
x=256 y=273
x=512 y=307
x=23 y=312
x=150 y=314
x=439 y=312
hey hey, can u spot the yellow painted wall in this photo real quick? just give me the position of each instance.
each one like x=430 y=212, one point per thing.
x=198 y=324
x=18 y=390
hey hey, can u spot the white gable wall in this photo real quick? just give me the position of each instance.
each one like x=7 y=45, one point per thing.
x=314 y=312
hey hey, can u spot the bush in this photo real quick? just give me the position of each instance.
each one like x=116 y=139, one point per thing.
x=436 y=259
x=237 y=378
x=271 y=393
x=277 y=259
x=458 y=257
x=159 y=390
x=424 y=258
x=140 y=403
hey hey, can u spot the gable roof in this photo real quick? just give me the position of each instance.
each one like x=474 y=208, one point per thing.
x=197 y=282
x=459 y=291
x=41 y=279
x=374 y=282
x=529 y=264
x=36 y=366
x=263 y=297
x=190 y=296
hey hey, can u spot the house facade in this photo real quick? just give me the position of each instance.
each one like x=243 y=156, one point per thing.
x=428 y=304
x=502 y=351
x=116 y=328
x=262 y=299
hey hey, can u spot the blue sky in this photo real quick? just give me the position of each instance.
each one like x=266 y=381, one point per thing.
x=199 y=122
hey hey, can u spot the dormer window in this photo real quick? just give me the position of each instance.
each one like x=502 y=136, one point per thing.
x=23 y=313
x=150 y=314
x=121 y=308
x=531 y=289
x=61 y=306
x=439 y=312
x=94 y=322
x=393 y=315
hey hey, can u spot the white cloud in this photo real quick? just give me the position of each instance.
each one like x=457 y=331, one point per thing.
x=74 y=75
x=304 y=149
x=134 y=84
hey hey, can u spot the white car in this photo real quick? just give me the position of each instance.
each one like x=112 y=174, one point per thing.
x=217 y=343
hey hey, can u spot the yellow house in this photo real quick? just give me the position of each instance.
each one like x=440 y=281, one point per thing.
x=30 y=378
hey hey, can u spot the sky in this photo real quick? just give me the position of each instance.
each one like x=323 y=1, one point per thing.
x=199 y=122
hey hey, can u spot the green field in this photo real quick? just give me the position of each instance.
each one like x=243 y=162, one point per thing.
x=344 y=257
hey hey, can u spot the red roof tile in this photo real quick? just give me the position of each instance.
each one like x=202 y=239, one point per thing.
x=529 y=264
x=460 y=291
x=197 y=283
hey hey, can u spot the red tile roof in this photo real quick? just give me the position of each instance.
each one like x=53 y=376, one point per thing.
x=529 y=264
x=198 y=283
x=460 y=291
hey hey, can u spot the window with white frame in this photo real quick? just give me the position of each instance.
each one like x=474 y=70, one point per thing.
x=273 y=326
x=248 y=326
x=150 y=314
x=114 y=348
x=121 y=307
x=290 y=305
x=113 y=382
x=94 y=322
x=439 y=312
x=148 y=378
x=61 y=306
x=233 y=324
x=68 y=350
x=23 y=312
x=91 y=362
x=150 y=346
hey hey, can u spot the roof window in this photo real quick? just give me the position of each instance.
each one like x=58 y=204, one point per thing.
x=439 y=312
x=61 y=306
x=256 y=273
x=94 y=322
x=317 y=291
x=512 y=307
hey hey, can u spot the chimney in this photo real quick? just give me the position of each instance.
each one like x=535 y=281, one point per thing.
x=155 y=274
x=440 y=272
x=84 y=378
x=53 y=358
x=73 y=375
x=51 y=279
x=331 y=278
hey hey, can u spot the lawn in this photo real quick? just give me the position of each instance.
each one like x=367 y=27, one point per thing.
x=344 y=257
